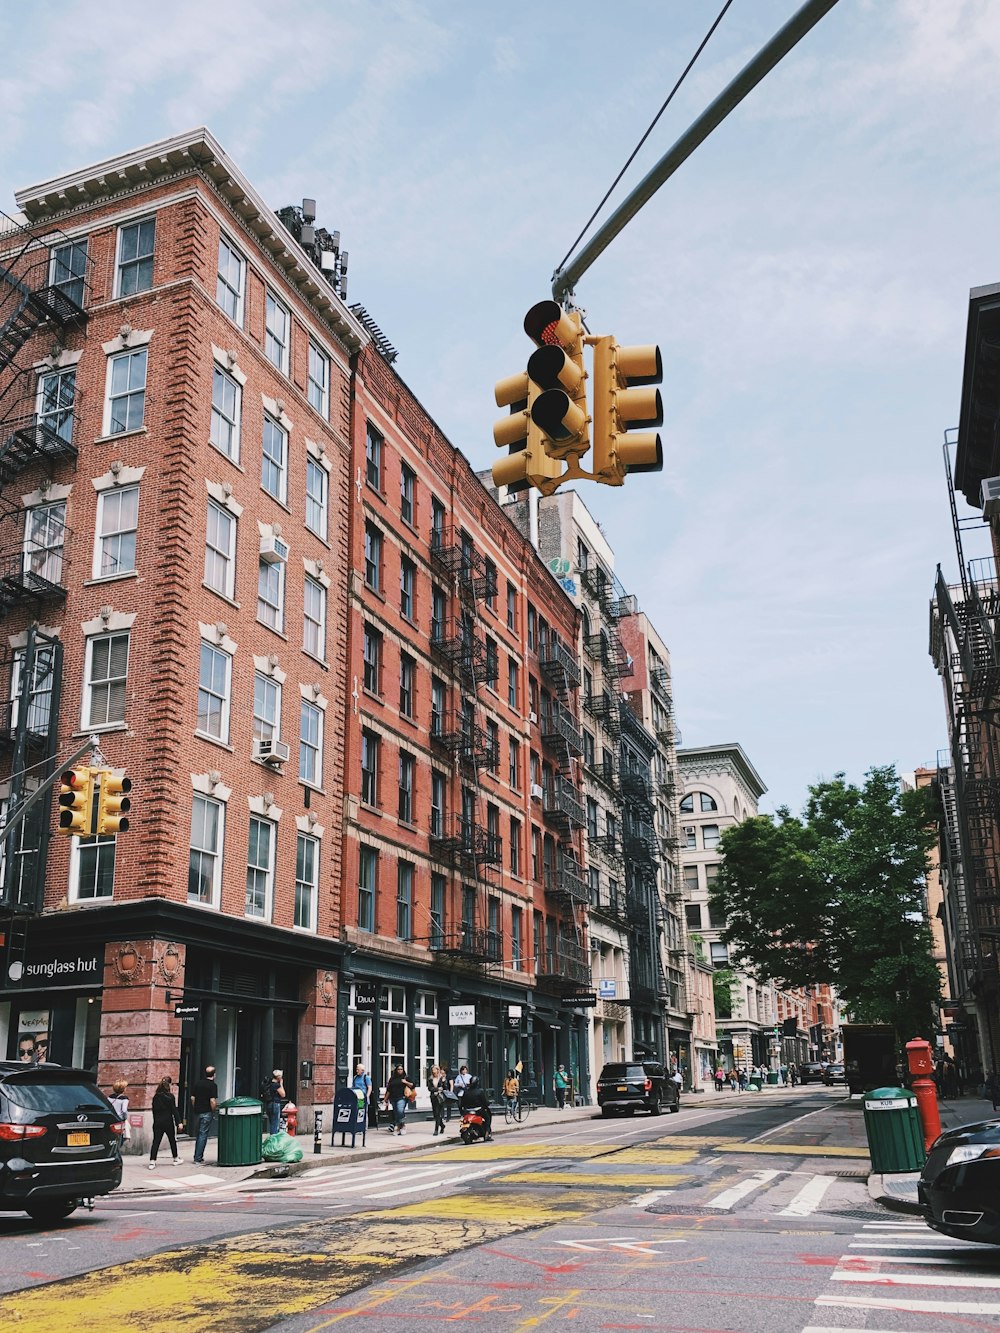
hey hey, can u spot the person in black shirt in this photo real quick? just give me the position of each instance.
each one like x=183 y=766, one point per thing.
x=397 y=1094
x=475 y=1099
x=204 y=1101
x=166 y=1119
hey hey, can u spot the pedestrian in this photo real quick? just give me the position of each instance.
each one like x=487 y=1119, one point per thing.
x=461 y=1081
x=561 y=1085
x=204 y=1101
x=437 y=1086
x=274 y=1096
x=166 y=1120
x=362 y=1082
x=678 y=1078
x=742 y=1076
x=119 y=1101
x=793 y=1074
x=720 y=1079
x=991 y=1088
x=511 y=1089
x=397 y=1095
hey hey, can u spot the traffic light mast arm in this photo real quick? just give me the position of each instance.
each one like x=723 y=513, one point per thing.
x=45 y=787
x=564 y=280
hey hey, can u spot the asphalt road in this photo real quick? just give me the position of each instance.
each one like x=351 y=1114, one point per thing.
x=754 y=1216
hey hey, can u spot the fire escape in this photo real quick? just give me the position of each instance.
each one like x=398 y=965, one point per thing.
x=44 y=281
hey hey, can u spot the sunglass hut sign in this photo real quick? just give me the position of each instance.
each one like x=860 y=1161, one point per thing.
x=52 y=969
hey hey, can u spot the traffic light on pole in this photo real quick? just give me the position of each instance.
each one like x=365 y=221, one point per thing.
x=560 y=409
x=76 y=802
x=113 y=803
x=624 y=398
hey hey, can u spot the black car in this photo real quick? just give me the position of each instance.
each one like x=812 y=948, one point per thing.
x=60 y=1140
x=636 y=1085
x=960 y=1183
x=834 y=1074
x=811 y=1073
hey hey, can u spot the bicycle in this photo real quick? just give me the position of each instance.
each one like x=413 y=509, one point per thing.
x=516 y=1110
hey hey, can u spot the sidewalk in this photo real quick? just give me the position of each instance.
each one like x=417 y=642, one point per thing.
x=898 y=1191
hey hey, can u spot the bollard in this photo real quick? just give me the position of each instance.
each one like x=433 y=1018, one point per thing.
x=921 y=1063
x=318 y=1132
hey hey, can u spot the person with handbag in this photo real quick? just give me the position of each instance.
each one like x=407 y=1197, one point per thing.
x=399 y=1092
x=166 y=1121
x=437 y=1086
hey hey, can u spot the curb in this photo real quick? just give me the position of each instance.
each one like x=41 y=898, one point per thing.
x=893 y=1202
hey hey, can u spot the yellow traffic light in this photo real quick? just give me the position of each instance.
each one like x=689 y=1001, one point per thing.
x=560 y=409
x=624 y=398
x=113 y=802
x=527 y=463
x=76 y=802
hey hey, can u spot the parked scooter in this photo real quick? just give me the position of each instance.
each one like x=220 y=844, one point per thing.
x=473 y=1128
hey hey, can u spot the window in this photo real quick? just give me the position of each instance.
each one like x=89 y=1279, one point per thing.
x=117 y=521
x=373 y=557
x=372 y=659
x=582 y=556
x=225 y=428
x=373 y=457
x=260 y=868
x=56 y=396
x=437 y=803
x=266 y=708
x=437 y=521
x=689 y=836
x=367 y=880
x=514 y=771
x=205 y=860
x=589 y=752
x=492 y=671
x=515 y=846
x=214 y=678
x=271 y=594
x=37 y=690
x=512 y=682
x=591 y=818
x=306 y=881
x=404 y=900
x=690 y=879
x=594 y=885
x=720 y=957
x=686 y=806
x=231 y=277
x=220 y=549
x=135 y=257
x=44 y=540
x=492 y=746
x=369 y=767
x=437 y=705
x=274 y=459
x=536 y=854
x=531 y=627
x=407 y=492
x=407 y=767
x=316 y=498
x=438 y=890
x=437 y=613
x=516 y=937
x=318 y=385
x=107 y=672
x=276 y=333
x=69 y=270
x=707 y=802
x=709 y=836
x=491 y=584
x=310 y=744
x=407 y=578
x=95 y=867
x=126 y=408
x=536 y=939
x=314 y=618
x=407 y=679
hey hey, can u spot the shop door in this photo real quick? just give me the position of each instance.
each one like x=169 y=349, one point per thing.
x=427 y=1055
x=486 y=1062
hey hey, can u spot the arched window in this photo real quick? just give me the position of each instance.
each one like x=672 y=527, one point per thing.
x=687 y=804
x=706 y=803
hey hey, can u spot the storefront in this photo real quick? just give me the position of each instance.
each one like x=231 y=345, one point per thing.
x=50 y=1005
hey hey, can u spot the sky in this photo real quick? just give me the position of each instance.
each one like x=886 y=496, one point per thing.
x=806 y=274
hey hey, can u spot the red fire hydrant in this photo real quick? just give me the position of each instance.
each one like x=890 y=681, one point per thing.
x=918 y=1057
x=290 y=1112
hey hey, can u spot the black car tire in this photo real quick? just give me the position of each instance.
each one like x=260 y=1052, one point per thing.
x=654 y=1106
x=607 y=1112
x=676 y=1106
x=51 y=1211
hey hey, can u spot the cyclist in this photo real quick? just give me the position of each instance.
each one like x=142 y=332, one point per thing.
x=511 y=1090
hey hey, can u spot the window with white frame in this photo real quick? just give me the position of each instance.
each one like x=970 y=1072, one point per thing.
x=205 y=863
x=311 y=743
x=306 y=881
x=276 y=326
x=260 y=868
x=44 y=541
x=367 y=881
x=274 y=459
x=407 y=684
x=92 y=868
x=317 y=490
x=56 y=399
x=220 y=549
x=271 y=594
x=107 y=676
x=373 y=557
x=314 y=618
x=438 y=796
x=369 y=767
x=214 y=679
x=407 y=772
x=69 y=270
x=37 y=690
x=117 y=524
x=318 y=385
x=231 y=280
x=404 y=899
x=126 y=405
x=407 y=581
x=372 y=659
x=266 y=708
x=373 y=457
x=226 y=402
x=407 y=494
x=136 y=242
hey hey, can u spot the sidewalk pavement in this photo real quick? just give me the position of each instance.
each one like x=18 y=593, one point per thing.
x=898 y=1191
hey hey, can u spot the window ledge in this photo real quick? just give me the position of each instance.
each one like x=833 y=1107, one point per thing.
x=223 y=595
x=214 y=740
x=121 y=435
x=111 y=578
x=228 y=457
x=320 y=661
x=279 y=633
x=101 y=730
x=310 y=786
x=282 y=504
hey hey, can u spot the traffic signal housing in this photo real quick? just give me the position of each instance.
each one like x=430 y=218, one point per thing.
x=527 y=463
x=76 y=802
x=113 y=803
x=625 y=399
x=560 y=409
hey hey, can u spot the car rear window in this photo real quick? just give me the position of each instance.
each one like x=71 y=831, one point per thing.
x=623 y=1071
x=51 y=1096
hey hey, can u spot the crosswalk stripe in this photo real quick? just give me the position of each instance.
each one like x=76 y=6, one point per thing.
x=940 y=1260
x=733 y=1195
x=880 y=1244
x=915 y=1279
x=432 y=1184
x=907 y=1304
x=894 y=1226
x=809 y=1197
x=841 y=1328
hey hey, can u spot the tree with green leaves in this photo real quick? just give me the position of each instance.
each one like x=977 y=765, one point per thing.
x=837 y=896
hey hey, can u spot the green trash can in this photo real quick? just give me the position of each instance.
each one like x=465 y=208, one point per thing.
x=755 y=1082
x=772 y=1078
x=240 y=1124
x=895 y=1135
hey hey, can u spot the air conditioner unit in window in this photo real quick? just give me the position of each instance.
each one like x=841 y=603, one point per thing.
x=989 y=493
x=271 y=752
x=536 y=791
x=273 y=551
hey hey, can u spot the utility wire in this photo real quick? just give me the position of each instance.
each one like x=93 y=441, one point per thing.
x=614 y=184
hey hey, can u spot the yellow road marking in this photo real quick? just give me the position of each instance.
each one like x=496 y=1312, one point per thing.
x=494 y=1206
x=793 y=1149
x=695 y=1140
x=493 y=1152
x=621 y=1180
x=654 y=1157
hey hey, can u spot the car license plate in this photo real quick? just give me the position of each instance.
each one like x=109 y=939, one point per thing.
x=622 y=1087
x=80 y=1139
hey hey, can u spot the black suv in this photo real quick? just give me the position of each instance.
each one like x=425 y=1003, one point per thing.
x=811 y=1072
x=637 y=1085
x=60 y=1140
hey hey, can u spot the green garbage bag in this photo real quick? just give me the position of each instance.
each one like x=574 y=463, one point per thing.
x=280 y=1147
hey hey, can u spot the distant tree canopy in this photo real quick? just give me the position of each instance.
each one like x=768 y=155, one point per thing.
x=837 y=896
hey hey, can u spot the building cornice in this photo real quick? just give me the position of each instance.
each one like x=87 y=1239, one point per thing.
x=720 y=758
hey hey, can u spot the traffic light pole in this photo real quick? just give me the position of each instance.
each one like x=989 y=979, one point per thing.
x=564 y=280
x=91 y=744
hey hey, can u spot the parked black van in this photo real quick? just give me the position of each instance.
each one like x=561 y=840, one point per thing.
x=636 y=1085
x=60 y=1140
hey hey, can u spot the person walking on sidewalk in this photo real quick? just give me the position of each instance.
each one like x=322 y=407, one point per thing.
x=204 y=1102
x=397 y=1094
x=166 y=1120
x=437 y=1086
x=362 y=1082
x=991 y=1088
x=561 y=1085
x=274 y=1095
x=119 y=1100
